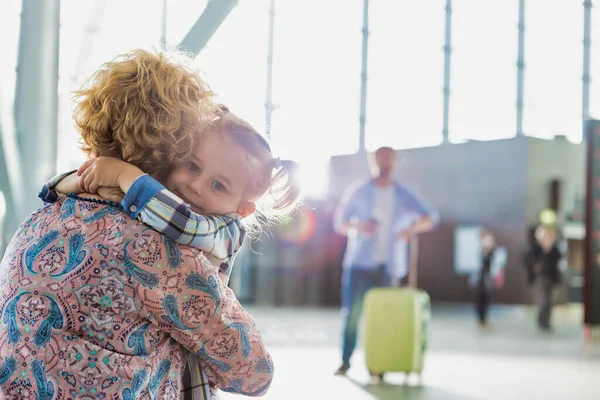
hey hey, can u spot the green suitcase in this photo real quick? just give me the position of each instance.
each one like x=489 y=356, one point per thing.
x=396 y=329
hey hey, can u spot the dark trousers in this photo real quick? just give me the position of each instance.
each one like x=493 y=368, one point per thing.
x=482 y=302
x=355 y=284
x=545 y=299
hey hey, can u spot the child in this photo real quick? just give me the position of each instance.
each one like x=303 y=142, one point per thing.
x=231 y=178
x=489 y=276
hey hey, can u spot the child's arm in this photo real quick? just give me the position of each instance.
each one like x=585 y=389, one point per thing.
x=150 y=202
x=51 y=191
x=97 y=172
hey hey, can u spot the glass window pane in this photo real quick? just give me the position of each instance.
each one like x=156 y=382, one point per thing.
x=97 y=31
x=553 y=68
x=483 y=69
x=235 y=60
x=92 y=33
x=10 y=23
x=316 y=78
x=406 y=70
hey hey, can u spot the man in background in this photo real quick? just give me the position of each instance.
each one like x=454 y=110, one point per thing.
x=378 y=216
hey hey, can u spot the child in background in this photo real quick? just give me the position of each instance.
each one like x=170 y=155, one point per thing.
x=490 y=275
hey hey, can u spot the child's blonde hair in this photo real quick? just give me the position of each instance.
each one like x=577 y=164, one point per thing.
x=274 y=185
x=145 y=108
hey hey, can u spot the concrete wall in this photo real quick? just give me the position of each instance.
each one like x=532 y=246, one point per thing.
x=556 y=159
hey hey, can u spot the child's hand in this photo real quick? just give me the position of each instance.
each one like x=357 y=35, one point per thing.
x=112 y=194
x=107 y=172
x=70 y=184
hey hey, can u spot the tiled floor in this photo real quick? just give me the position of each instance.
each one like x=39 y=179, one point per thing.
x=510 y=361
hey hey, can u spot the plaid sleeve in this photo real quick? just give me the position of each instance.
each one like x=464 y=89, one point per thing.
x=48 y=194
x=195 y=384
x=153 y=204
x=219 y=235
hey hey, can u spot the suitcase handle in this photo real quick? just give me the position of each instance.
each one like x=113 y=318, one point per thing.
x=413 y=261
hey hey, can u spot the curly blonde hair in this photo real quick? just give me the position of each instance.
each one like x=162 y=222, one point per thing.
x=145 y=108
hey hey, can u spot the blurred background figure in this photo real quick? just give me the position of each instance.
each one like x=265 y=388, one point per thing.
x=489 y=276
x=379 y=216
x=545 y=267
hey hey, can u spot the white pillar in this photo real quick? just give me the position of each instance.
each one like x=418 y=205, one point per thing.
x=36 y=96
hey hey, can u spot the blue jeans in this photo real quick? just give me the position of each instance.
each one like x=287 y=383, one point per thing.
x=355 y=283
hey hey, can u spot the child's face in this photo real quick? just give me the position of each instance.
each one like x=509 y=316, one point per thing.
x=487 y=241
x=214 y=181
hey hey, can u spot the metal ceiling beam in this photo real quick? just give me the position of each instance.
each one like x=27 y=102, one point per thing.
x=521 y=68
x=586 y=77
x=207 y=24
x=447 y=64
x=363 y=79
x=269 y=106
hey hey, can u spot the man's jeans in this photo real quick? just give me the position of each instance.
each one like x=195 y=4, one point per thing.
x=355 y=283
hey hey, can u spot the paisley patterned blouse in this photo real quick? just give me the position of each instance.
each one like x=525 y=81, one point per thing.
x=97 y=305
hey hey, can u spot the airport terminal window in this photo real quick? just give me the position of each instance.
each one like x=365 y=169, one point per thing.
x=316 y=78
x=316 y=85
x=553 y=68
x=316 y=72
x=483 y=69
x=235 y=60
x=92 y=33
x=405 y=71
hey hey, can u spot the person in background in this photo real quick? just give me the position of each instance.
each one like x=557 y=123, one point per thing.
x=490 y=275
x=378 y=217
x=548 y=265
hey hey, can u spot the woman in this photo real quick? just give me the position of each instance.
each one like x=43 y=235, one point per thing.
x=98 y=305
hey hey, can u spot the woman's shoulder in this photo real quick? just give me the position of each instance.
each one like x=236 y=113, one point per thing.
x=108 y=233
x=106 y=222
x=76 y=213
